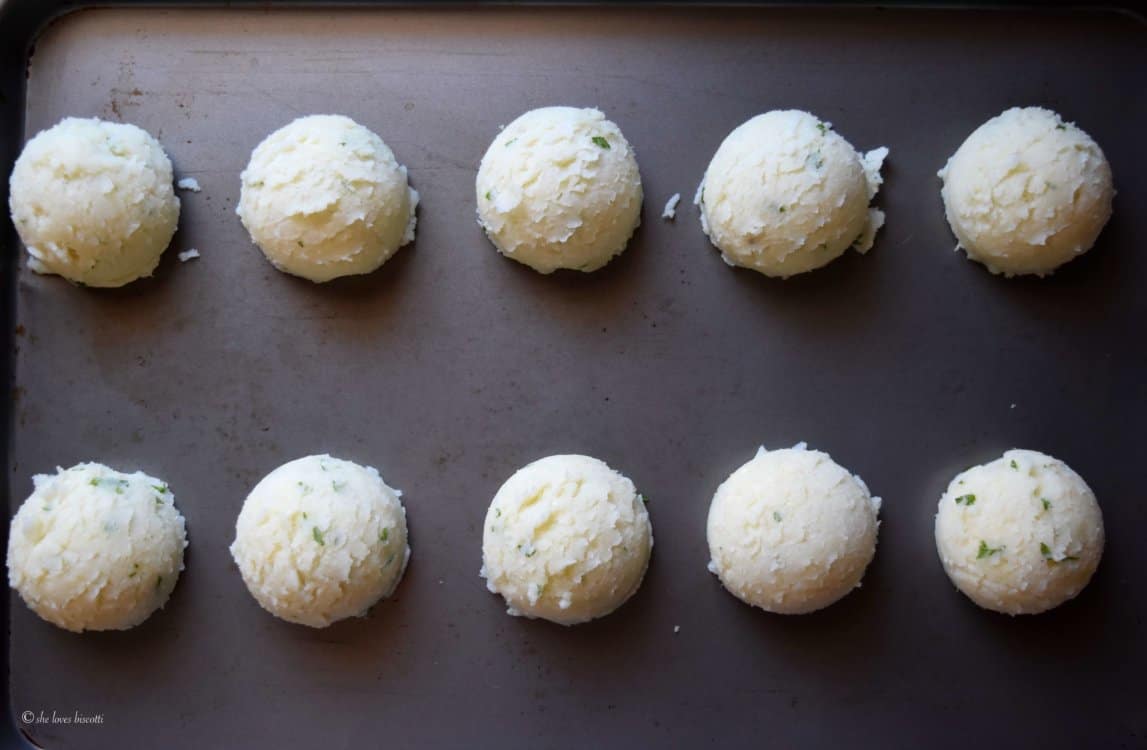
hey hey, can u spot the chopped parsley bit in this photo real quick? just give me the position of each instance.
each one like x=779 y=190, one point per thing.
x=497 y=512
x=527 y=551
x=1061 y=126
x=776 y=516
x=47 y=508
x=822 y=127
x=384 y=535
x=986 y=551
x=300 y=243
x=642 y=498
x=511 y=142
x=134 y=570
x=1046 y=503
x=966 y=500
x=488 y=196
x=822 y=246
x=781 y=209
x=318 y=535
x=601 y=142
x=158 y=500
x=815 y=159
x=1013 y=464
x=160 y=488
x=306 y=488
x=338 y=486
x=158 y=581
x=304 y=515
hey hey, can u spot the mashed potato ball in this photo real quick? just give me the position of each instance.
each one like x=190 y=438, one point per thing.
x=566 y=539
x=321 y=539
x=95 y=549
x=785 y=194
x=559 y=188
x=93 y=201
x=323 y=197
x=791 y=531
x=1027 y=192
x=1021 y=534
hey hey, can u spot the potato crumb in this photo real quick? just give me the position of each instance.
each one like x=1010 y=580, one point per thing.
x=669 y=213
x=189 y=254
x=189 y=183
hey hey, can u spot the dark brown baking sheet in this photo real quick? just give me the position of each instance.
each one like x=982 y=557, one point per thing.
x=452 y=366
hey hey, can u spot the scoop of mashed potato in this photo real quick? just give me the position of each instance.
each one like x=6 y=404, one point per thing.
x=321 y=539
x=324 y=197
x=559 y=188
x=786 y=194
x=1027 y=192
x=1021 y=534
x=791 y=531
x=96 y=549
x=566 y=539
x=93 y=201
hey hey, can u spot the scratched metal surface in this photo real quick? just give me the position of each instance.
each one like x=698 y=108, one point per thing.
x=451 y=367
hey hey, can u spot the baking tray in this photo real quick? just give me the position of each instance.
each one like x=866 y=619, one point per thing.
x=452 y=366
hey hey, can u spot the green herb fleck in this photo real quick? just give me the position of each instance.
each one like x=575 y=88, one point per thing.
x=384 y=535
x=158 y=581
x=488 y=196
x=497 y=512
x=781 y=209
x=776 y=516
x=1061 y=126
x=601 y=142
x=306 y=488
x=299 y=243
x=160 y=488
x=966 y=500
x=318 y=535
x=110 y=483
x=986 y=551
x=1046 y=503
x=338 y=486
x=644 y=500
x=134 y=570
x=822 y=127
x=1044 y=550
x=511 y=142
x=1013 y=464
